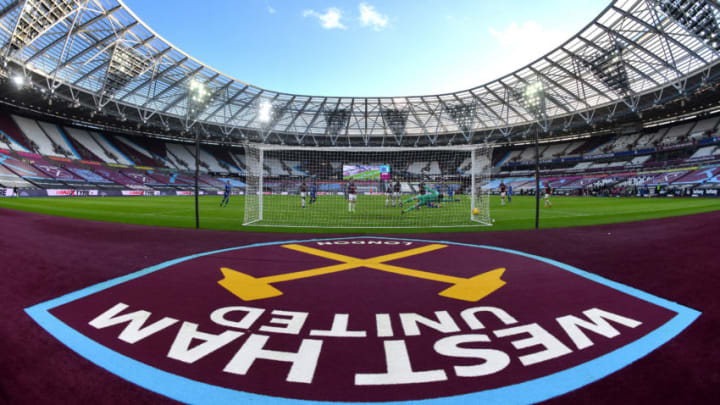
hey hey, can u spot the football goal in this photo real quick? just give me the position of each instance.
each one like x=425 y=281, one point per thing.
x=347 y=187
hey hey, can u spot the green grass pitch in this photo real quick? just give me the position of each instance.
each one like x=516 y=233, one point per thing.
x=330 y=214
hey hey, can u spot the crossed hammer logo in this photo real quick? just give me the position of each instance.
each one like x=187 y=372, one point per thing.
x=249 y=288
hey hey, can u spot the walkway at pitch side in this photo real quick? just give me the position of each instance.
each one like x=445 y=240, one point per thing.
x=124 y=313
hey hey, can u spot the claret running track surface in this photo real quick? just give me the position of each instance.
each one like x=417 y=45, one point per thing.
x=370 y=212
x=47 y=256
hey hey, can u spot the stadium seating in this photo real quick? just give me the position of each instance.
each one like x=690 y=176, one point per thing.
x=703 y=128
x=90 y=143
x=137 y=148
x=698 y=176
x=638 y=161
x=623 y=143
x=571 y=149
x=553 y=151
x=648 y=140
x=54 y=171
x=676 y=133
x=227 y=161
x=211 y=161
x=433 y=169
x=181 y=156
x=109 y=149
x=581 y=166
x=238 y=160
x=87 y=174
x=275 y=167
x=77 y=157
x=133 y=154
x=9 y=179
x=703 y=153
x=666 y=177
x=416 y=168
x=11 y=136
x=117 y=177
x=295 y=168
x=466 y=164
x=60 y=143
x=35 y=134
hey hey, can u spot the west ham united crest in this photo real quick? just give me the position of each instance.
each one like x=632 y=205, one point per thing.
x=362 y=320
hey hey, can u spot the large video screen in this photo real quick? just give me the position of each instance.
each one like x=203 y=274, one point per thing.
x=366 y=172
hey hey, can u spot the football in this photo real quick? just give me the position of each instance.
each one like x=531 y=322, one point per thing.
x=475 y=211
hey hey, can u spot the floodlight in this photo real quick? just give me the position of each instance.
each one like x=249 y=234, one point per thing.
x=36 y=16
x=396 y=119
x=265 y=112
x=125 y=65
x=696 y=16
x=198 y=92
x=19 y=80
x=533 y=99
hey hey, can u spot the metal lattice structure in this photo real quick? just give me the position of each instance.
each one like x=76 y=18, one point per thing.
x=98 y=54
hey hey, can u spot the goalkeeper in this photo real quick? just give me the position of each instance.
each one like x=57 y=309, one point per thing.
x=430 y=198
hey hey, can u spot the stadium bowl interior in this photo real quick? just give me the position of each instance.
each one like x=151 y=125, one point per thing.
x=114 y=149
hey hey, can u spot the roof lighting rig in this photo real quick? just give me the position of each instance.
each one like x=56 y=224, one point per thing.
x=464 y=116
x=696 y=16
x=125 y=65
x=396 y=120
x=37 y=17
x=336 y=120
x=609 y=67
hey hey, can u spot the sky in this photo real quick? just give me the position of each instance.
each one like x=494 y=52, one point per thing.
x=366 y=48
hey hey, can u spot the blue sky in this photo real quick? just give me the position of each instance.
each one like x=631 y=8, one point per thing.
x=369 y=47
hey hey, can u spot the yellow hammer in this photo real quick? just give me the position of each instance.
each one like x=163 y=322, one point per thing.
x=249 y=288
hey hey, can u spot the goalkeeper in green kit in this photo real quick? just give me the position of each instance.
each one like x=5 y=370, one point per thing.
x=428 y=197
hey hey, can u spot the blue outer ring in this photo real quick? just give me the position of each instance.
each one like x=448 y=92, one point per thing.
x=190 y=391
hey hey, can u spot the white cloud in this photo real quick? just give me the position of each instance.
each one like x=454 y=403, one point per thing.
x=370 y=17
x=270 y=8
x=329 y=20
x=523 y=43
x=507 y=50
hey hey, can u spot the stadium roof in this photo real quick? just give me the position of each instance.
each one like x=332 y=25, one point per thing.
x=99 y=54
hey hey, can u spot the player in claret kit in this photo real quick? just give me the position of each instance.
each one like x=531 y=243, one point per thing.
x=352 y=196
x=548 y=192
x=503 y=191
x=388 y=194
x=396 y=194
x=303 y=192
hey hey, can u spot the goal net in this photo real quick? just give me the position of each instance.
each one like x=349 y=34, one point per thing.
x=388 y=187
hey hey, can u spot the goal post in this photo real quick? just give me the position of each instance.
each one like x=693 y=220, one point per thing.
x=394 y=187
x=253 y=185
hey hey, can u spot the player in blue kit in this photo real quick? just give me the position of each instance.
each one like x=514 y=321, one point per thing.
x=226 y=195
x=313 y=192
x=450 y=191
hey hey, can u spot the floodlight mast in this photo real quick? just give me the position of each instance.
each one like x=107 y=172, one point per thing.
x=197 y=99
x=534 y=102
